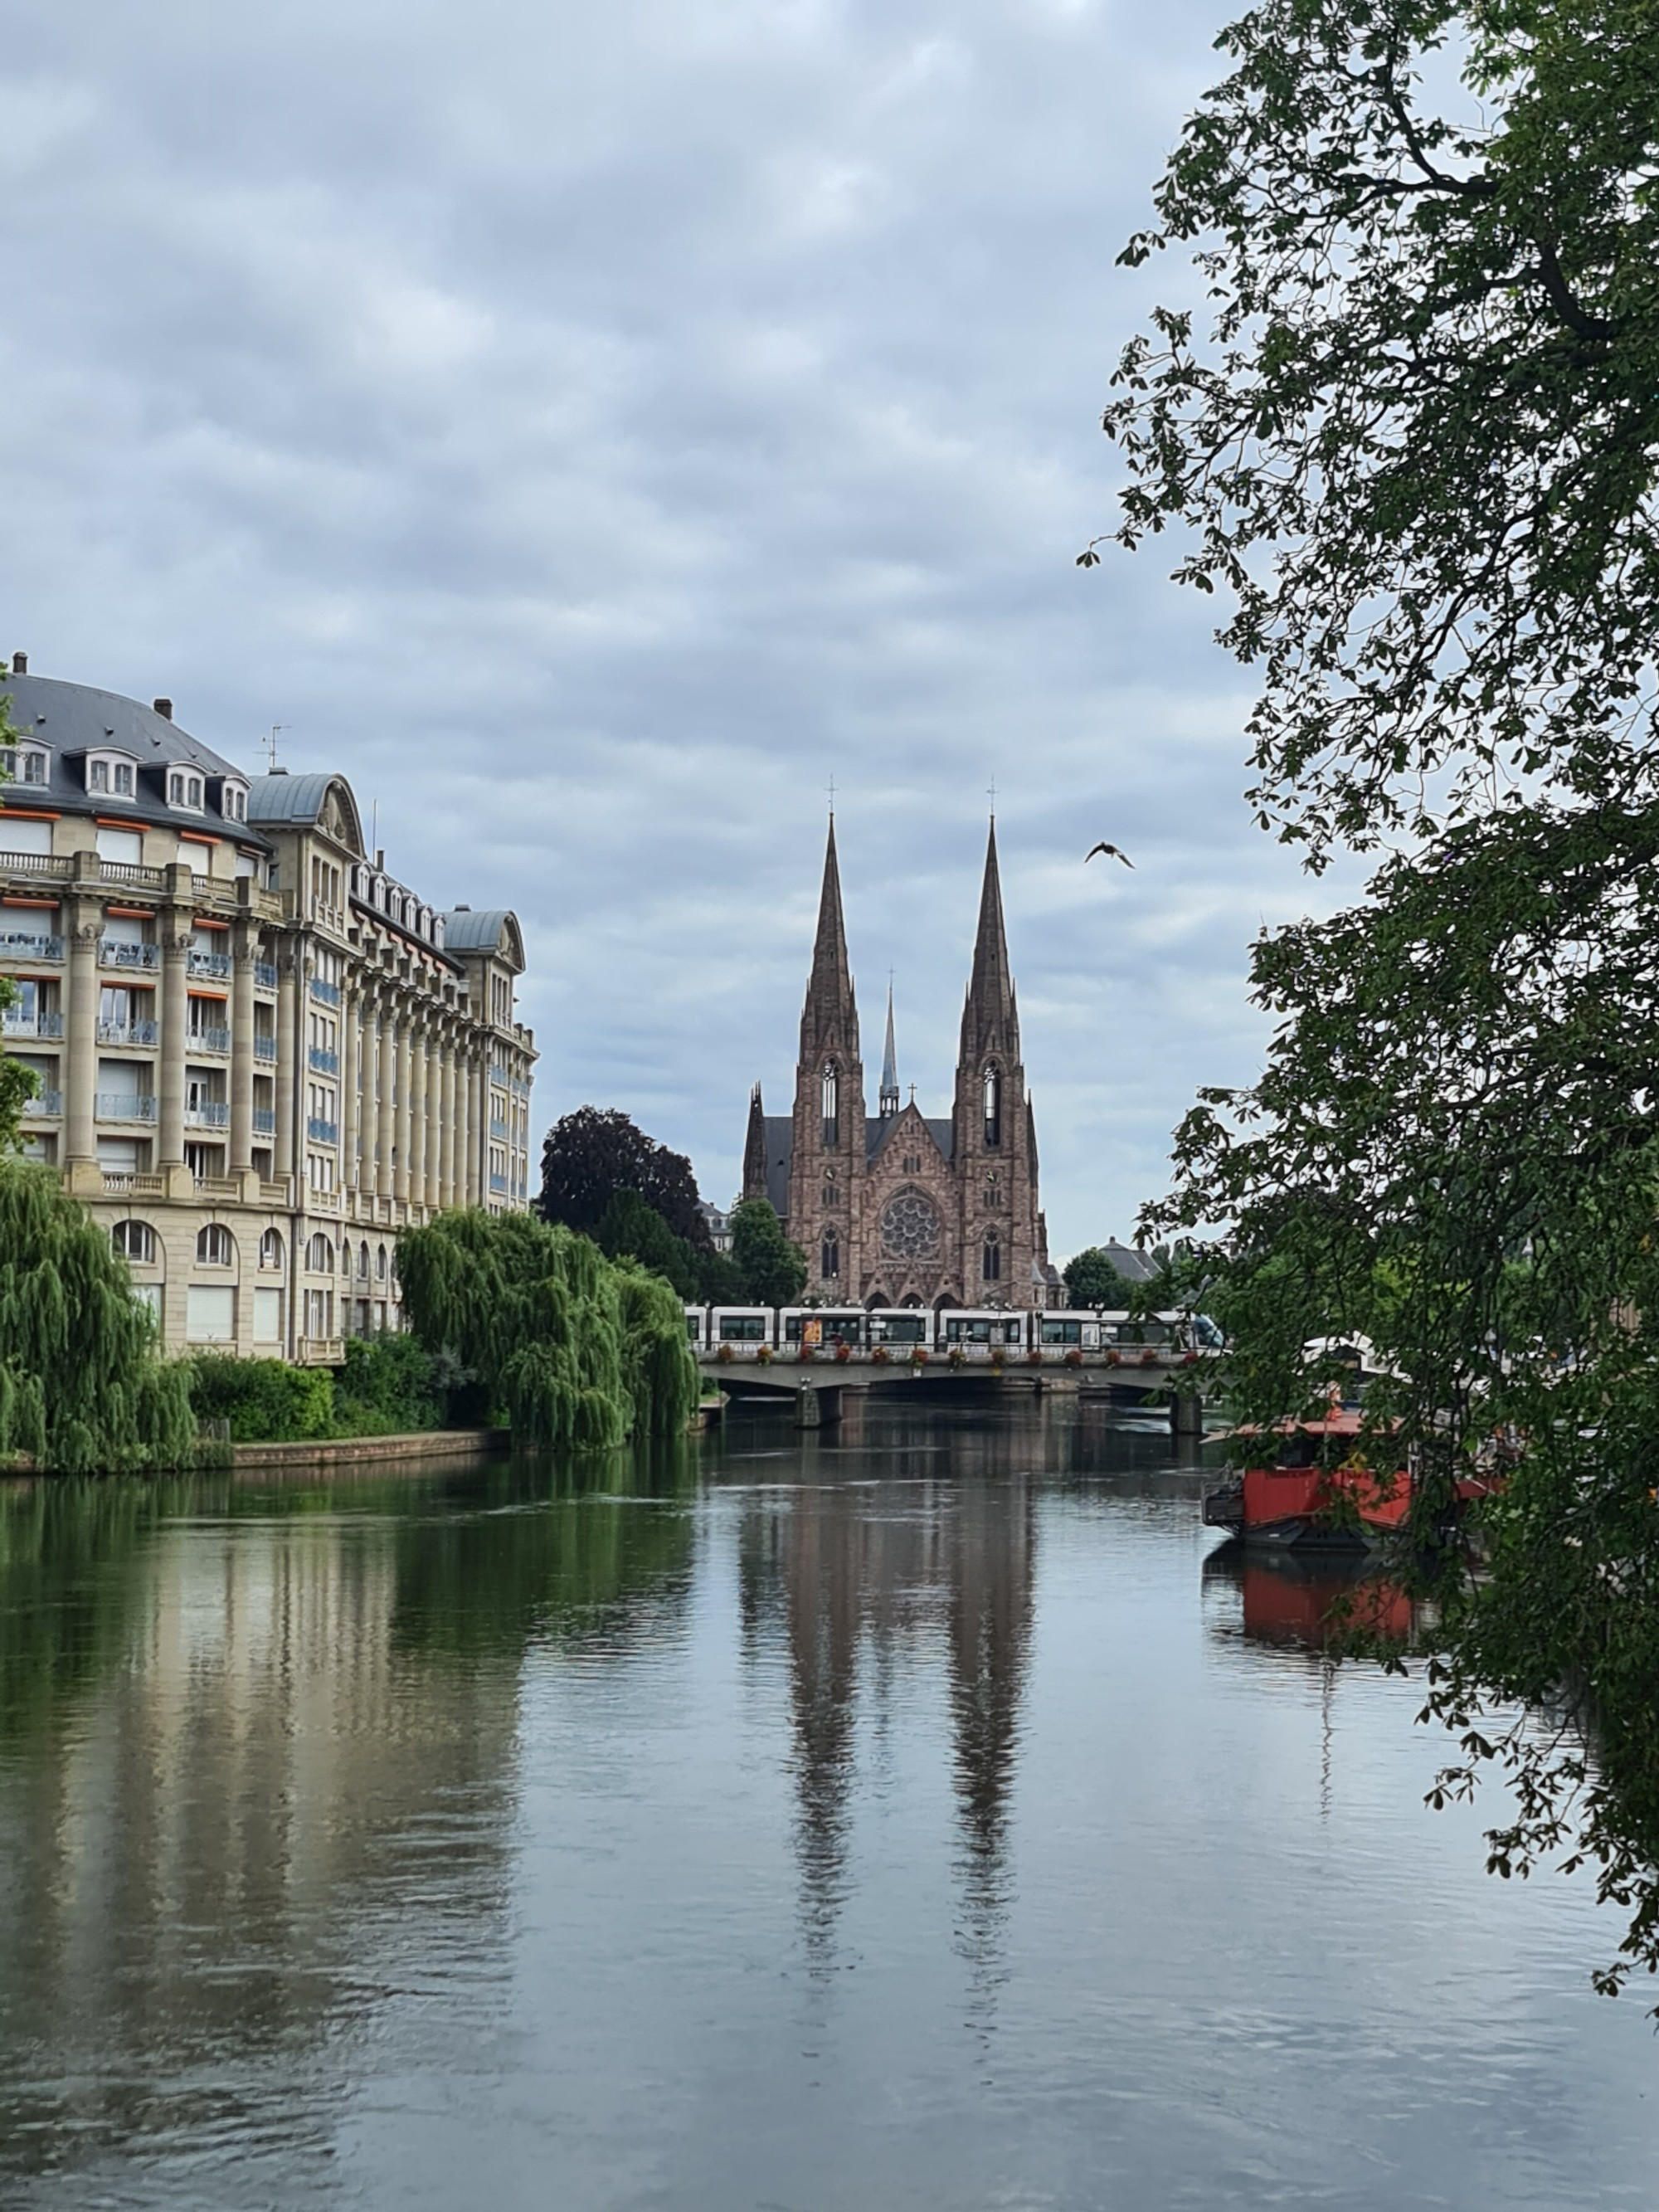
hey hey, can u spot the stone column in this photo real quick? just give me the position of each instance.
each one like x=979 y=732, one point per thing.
x=400 y=1170
x=419 y=1046
x=288 y=1053
x=447 y=1122
x=175 y=979
x=477 y=1118
x=462 y=1119
x=351 y=1060
x=85 y=918
x=245 y=949
x=385 y=1120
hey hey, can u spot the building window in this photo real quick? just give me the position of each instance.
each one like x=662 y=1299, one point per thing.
x=990 y=1259
x=133 y=1240
x=829 y=1193
x=379 y=1264
x=123 y=780
x=98 y=775
x=829 y=1102
x=830 y=1256
x=320 y=1255
x=362 y=1263
x=270 y=1251
x=214 y=1248
x=992 y=1107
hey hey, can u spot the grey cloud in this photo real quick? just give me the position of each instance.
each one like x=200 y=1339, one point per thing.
x=593 y=429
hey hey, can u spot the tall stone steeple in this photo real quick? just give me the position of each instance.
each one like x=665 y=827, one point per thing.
x=990 y=1018
x=827 y=1153
x=890 y=1095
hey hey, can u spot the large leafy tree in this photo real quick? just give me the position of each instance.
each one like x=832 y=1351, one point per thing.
x=1414 y=437
x=774 y=1271
x=1091 y=1280
x=594 y=1152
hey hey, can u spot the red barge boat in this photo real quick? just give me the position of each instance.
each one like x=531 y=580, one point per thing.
x=1315 y=1491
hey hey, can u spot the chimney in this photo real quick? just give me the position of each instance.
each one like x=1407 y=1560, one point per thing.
x=20 y=664
x=163 y=707
x=380 y=858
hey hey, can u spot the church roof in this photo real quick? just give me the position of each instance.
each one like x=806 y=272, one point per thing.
x=878 y=1127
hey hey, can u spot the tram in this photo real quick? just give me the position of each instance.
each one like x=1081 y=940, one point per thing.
x=982 y=1330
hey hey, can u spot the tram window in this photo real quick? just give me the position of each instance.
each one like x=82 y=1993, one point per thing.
x=1063 y=1332
x=899 y=1328
x=742 y=1328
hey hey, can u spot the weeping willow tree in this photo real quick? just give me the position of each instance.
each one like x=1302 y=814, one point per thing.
x=576 y=1349
x=81 y=1388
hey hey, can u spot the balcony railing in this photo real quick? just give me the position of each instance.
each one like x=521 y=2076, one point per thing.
x=15 y=1022
x=327 y=994
x=131 y=872
x=208 y=1040
x=123 y=1106
x=321 y=1131
x=127 y=1032
x=36 y=863
x=265 y=1120
x=30 y=944
x=118 y=1183
x=117 y=952
x=45 y=1105
x=325 y=1062
x=208 y=964
x=497 y=1126
x=265 y=1048
x=208 y=1114
x=498 y=1183
x=264 y=976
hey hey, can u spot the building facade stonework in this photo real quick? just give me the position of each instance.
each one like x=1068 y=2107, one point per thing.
x=899 y=1208
x=258 y=1055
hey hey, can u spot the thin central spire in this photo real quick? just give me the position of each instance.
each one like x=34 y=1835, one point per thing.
x=890 y=1091
x=988 y=1019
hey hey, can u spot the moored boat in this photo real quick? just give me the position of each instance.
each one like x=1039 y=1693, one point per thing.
x=1313 y=1489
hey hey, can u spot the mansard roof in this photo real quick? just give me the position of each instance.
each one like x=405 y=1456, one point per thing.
x=487 y=929
x=299 y=802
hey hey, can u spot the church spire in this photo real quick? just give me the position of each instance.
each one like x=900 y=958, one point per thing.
x=830 y=1014
x=890 y=1097
x=990 y=1020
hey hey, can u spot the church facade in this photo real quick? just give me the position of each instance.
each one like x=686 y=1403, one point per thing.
x=900 y=1208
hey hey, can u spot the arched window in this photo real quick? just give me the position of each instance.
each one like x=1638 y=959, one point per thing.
x=320 y=1255
x=830 y=1256
x=990 y=1259
x=133 y=1240
x=829 y=1193
x=379 y=1263
x=345 y=1258
x=270 y=1251
x=829 y=1100
x=214 y=1248
x=992 y=1107
x=362 y=1261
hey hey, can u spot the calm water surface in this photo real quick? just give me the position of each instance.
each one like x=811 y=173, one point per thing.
x=922 y=1816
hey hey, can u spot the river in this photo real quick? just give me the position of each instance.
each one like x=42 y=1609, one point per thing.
x=918 y=1815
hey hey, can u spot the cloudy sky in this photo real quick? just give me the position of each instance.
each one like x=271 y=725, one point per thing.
x=593 y=428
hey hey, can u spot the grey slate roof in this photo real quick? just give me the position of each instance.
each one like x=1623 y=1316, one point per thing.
x=475 y=929
x=287 y=799
x=69 y=718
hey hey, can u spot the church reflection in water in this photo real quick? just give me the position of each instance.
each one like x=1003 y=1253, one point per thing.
x=863 y=1564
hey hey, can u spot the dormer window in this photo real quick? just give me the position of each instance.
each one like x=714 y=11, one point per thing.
x=109 y=775
x=185 y=790
x=232 y=801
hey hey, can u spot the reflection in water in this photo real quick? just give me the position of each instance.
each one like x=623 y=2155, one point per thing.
x=888 y=1540
x=1310 y=1603
x=222 y=1747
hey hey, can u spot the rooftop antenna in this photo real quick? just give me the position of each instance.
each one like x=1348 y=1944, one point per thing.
x=991 y=794
x=270 y=746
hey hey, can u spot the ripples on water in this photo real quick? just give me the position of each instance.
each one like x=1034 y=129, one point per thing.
x=921 y=1814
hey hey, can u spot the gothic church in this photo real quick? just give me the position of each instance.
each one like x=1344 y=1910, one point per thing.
x=897 y=1208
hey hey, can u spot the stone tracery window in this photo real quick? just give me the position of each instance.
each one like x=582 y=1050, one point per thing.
x=829 y=1101
x=910 y=1227
x=991 y=1258
x=830 y=1256
x=992 y=1107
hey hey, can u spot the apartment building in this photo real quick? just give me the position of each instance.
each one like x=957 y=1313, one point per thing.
x=260 y=1055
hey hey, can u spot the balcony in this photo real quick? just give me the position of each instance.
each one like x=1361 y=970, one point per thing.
x=215 y=1039
x=265 y=1048
x=265 y=1120
x=30 y=944
x=132 y=872
x=264 y=976
x=45 y=1106
x=123 y=1106
x=208 y=1114
x=127 y=1032
x=218 y=964
x=498 y=1127
x=117 y=1184
x=36 y=863
x=321 y=1131
x=325 y=1062
x=116 y=952
x=498 y=1185
x=326 y=995
x=15 y=1022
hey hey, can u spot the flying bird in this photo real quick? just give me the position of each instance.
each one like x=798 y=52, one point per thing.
x=1111 y=850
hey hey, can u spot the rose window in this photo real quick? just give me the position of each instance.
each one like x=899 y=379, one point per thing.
x=910 y=1227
